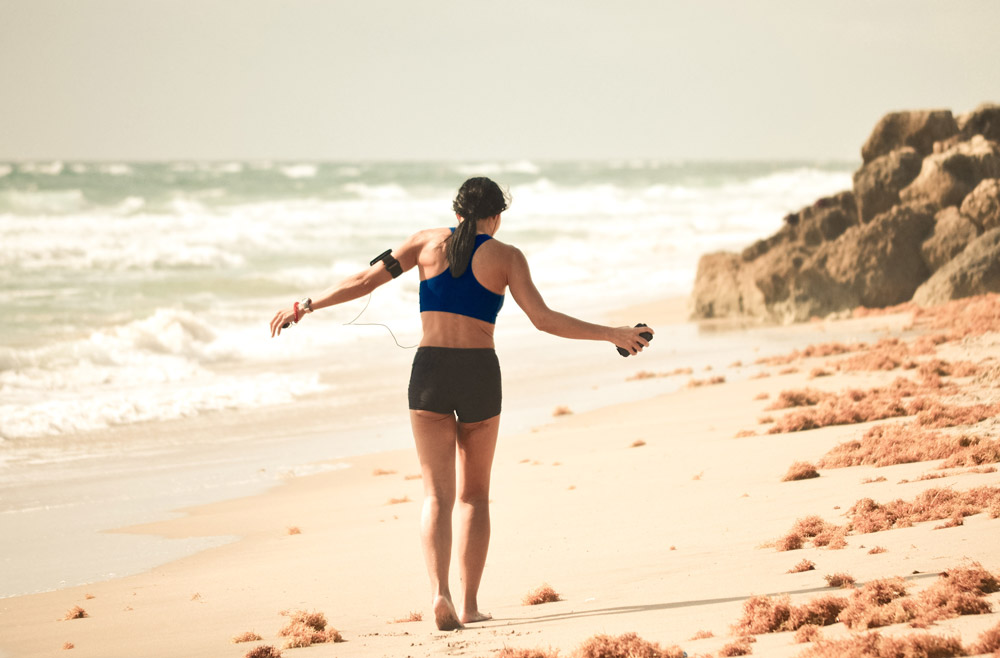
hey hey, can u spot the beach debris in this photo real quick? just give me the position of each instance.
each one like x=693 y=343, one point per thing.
x=263 y=651
x=248 y=636
x=638 y=443
x=842 y=580
x=542 y=594
x=804 y=565
x=68 y=645
x=413 y=616
x=764 y=614
x=628 y=645
x=702 y=635
x=89 y=596
x=307 y=628
x=762 y=396
x=508 y=652
x=956 y=592
x=414 y=476
x=740 y=647
x=800 y=471
x=878 y=549
x=989 y=642
x=643 y=374
x=294 y=530
x=808 y=633
x=381 y=471
x=562 y=410
x=76 y=612
x=875 y=645
x=397 y=501
x=711 y=381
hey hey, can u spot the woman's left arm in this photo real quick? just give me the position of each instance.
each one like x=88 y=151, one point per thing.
x=356 y=285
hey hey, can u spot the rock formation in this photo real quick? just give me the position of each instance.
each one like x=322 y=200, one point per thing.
x=922 y=222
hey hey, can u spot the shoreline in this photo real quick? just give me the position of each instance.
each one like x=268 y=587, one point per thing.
x=610 y=537
x=275 y=445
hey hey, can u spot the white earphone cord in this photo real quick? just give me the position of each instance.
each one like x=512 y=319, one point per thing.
x=355 y=323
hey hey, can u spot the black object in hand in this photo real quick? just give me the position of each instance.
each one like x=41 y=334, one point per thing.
x=648 y=336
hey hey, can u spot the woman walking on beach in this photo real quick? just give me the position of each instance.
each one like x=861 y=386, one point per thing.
x=455 y=391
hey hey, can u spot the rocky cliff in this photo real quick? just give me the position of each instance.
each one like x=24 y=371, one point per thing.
x=922 y=222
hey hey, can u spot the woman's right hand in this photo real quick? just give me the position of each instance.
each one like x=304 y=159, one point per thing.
x=628 y=338
x=282 y=319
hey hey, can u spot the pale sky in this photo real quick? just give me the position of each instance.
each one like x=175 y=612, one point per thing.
x=477 y=80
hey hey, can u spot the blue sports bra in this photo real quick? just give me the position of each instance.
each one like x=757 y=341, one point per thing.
x=462 y=296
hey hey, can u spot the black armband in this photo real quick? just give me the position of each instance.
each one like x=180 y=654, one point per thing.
x=391 y=264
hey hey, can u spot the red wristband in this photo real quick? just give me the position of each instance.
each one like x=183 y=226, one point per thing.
x=295 y=309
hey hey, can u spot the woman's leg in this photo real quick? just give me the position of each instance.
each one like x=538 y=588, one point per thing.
x=477 y=443
x=435 y=436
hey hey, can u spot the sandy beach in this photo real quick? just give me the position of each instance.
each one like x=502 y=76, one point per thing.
x=660 y=513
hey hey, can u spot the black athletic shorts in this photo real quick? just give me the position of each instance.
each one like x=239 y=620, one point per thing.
x=454 y=380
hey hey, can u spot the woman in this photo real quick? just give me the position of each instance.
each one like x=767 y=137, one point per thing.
x=455 y=390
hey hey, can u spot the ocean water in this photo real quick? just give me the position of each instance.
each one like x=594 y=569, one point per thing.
x=134 y=292
x=136 y=299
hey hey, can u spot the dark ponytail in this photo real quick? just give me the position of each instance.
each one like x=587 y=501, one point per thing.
x=478 y=198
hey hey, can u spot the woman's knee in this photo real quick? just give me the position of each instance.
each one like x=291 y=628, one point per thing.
x=440 y=501
x=477 y=499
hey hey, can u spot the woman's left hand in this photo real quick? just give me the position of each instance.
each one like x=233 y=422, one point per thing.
x=282 y=319
x=630 y=338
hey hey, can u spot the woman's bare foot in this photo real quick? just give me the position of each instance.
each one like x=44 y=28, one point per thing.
x=474 y=616
x=444 y=614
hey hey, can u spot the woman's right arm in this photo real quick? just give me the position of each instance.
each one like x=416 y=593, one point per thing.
x=359 y=284
x=523 y=289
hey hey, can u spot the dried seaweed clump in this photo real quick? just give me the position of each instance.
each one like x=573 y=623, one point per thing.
x=413 y=616
x=543 y=594
x=878 y=603
x=958 y=591
x=76 y=612
x=800 y=471
x=763 y=614
x=886 y=354
x=840 y=580
x=68 y=645
x=931 y=505
x=819 y=349
x=508 y=652
x=711 y=381
x=740 y=647
x=803 y=397
x=989 y=641
x=263 y=651
x=935 y=414
x=819 y=531
x=808 y=633
x=804 y=565
x=906 y=443
x=874 y=645
x=970 y=316
x=629 y=645
x=851 y=407
x=249 y=636
x=307 y=628
x=940 y=368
